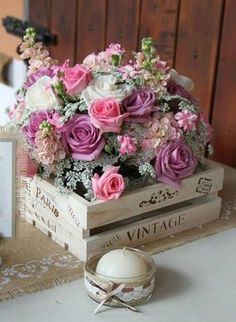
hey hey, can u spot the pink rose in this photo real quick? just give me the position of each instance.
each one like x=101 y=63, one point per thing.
x=105 y=114
x=76 y=79
x=109 y=186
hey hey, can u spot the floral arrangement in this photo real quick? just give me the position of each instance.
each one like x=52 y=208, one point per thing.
x=103 y=125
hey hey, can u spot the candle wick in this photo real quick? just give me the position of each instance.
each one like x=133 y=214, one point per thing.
x=123 y=250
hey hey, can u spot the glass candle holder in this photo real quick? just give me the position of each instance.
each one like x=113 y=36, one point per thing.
x=116 y=290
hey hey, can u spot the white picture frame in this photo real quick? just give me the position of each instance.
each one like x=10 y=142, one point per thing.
x=7 y=188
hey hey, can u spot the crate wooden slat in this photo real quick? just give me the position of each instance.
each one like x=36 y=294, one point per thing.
x=159 y=224
x=164 y=223
x=87 y=215
x=138 y=217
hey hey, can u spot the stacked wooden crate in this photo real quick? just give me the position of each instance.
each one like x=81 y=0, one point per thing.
x=139 y=216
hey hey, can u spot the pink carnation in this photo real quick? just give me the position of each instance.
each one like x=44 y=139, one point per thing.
x=109 y=186
x=186 y=120
x=127 y=144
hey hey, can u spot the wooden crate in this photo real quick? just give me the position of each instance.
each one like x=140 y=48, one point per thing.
x=84 y=227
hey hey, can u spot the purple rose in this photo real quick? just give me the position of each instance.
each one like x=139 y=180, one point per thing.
x=139 y=105
x=35 y=119
x=176 y=89
x=82 y=139
x=43 y=71
x=174 y=162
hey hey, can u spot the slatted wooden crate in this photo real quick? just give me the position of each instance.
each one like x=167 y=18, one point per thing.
x=138 y=217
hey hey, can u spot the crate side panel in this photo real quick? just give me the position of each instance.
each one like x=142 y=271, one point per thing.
x=76 y=245
x=45 y=195
x=155 y=197
x=200 y=212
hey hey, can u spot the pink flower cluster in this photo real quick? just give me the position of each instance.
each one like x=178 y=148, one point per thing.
x=162 y=129
x=48 y=148
x=104 y=109
x=103 y=60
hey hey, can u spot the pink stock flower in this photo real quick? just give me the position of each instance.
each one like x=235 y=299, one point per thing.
x=105 y=114
x=114 y=49
x=127 y=144
x=48 y=148
x=33 y=124
x=109 y=186
x=186 y=120
x=76 y=79
x=92 y=61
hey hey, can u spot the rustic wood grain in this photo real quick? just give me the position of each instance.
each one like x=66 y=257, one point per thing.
x=224 y=108
x=63 y=24
x=159 y=20
x=71 y=220
x=187 y=34
x=123 y=23
x=197 y=45
x=90 y=27
x=40 y=12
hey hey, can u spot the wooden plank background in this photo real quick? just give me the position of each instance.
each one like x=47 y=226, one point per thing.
x=197 y=37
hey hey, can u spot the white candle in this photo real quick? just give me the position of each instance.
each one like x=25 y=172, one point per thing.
x=121 y=265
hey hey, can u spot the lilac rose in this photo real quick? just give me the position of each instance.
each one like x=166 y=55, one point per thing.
x=82 y=139
x=32 y=78
x=174 y=162
x=35 y=119
x=176 y=89
x=139 y=105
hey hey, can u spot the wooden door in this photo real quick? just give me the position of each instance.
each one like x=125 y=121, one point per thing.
x=197 y=37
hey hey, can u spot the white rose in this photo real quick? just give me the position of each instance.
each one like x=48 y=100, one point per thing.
x=40 y=95
x=184 y=81
x=105 y=86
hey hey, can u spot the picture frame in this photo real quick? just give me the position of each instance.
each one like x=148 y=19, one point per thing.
x=7 y=188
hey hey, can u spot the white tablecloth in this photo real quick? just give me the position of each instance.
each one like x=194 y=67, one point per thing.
x=196 y=282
